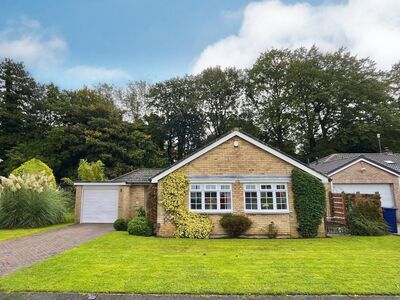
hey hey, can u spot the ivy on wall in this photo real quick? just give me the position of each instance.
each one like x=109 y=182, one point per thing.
x=309 y=202
x=175 y=188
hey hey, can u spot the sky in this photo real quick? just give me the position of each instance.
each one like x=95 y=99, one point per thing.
x=78 y=43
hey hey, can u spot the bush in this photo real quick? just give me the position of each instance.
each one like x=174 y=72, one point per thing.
x=120 y=225
x=361 y=225
x=93 y=171
x=69 y=217
x=141 y=212
x=309 y=202
x=24 y=203
x=235 y=225
x=272 y=230
x=364 y=215
x=140 y=226
x=33 y=167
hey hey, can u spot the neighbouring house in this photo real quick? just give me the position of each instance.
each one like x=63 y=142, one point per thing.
x=366 y=173
x=236 y=174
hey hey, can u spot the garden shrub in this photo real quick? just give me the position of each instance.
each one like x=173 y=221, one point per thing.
x=91 y=171
x=68 y=217
x=175 y=188
x=235 y=225
x=140 y=226
x=35 y=166
x=67 y=184
x=364 y=215
x=120 y=225
x=272 y=230
x=29 y=201
x=141 y=212
x=309 y=202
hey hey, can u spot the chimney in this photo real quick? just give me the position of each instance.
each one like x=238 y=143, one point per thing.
x=387 y=151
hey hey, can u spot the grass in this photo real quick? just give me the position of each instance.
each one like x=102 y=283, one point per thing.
x=8 y=234
x=117 y=262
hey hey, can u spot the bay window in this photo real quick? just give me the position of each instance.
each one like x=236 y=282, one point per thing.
x=267 y=197
x=210 y=197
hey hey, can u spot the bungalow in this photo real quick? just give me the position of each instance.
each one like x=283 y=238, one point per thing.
x=236 y=174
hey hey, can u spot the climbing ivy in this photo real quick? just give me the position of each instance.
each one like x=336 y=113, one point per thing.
x=309 y=202
x=175 y=188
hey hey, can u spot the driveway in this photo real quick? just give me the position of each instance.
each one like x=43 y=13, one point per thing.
x=23 y=252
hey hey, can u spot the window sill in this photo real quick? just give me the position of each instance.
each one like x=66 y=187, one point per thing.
x=262 y=212
x=212 y=212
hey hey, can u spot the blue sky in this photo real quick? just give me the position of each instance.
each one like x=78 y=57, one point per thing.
x=75 y=43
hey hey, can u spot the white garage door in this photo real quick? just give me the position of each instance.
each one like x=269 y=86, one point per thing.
x=99 y=204
x=385 y=190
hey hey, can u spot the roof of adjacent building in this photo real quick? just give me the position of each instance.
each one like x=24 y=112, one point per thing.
x=138 y=176
x=336 y=161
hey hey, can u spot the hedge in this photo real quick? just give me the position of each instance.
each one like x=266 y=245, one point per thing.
x=309 y=202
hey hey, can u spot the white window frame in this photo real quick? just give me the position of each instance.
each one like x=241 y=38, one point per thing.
x=259 y=190
x=203 y=190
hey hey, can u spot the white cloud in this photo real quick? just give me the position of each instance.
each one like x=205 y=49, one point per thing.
x=26 y=40
x=368 y=28
x=91 y=75
x=44 y=51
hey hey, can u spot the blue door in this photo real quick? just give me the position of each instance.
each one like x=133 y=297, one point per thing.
x=389 y=214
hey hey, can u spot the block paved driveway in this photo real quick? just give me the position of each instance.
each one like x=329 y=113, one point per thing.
x=23 y=252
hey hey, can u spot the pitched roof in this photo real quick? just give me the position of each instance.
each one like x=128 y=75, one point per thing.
x=138 y=176
x=337 y=161
x=247 y=138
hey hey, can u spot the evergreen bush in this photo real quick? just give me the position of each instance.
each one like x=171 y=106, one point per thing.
x=120 y=225
x=235 y=225
x=309 y=202
x=364 y=215
x=140 y=226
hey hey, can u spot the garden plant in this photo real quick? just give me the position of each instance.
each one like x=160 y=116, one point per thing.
x=30 y=200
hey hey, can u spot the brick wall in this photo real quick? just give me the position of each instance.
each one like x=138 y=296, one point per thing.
x=131 y=198
x=246 y=159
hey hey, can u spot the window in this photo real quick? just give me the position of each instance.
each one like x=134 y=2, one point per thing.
x=210 y=197
x=266 y=197
x=251 y=200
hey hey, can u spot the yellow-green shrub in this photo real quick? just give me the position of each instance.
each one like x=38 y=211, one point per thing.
x=175 y=188
x=35 y=166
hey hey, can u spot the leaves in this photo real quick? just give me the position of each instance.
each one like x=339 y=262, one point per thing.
x=91 y=171
x=188 y=224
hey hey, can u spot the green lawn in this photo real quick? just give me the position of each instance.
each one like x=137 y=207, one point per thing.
x=7 y=234
x=118 y=262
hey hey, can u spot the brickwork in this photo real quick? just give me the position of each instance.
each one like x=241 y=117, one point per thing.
x=363 y=172
x=246 y=159
x=131 y=198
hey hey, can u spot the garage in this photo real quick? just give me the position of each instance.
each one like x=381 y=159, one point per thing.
x=99 y=204
x=385 y=191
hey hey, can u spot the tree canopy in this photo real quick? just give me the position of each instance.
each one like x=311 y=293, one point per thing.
x=305 y=102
